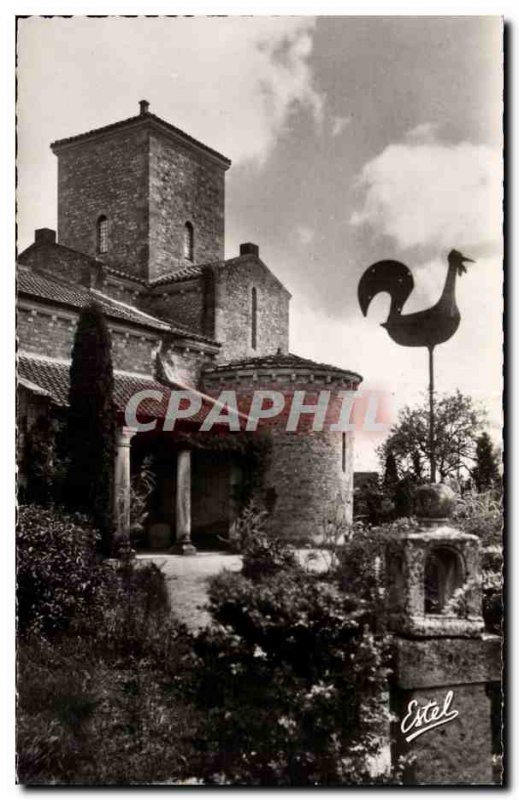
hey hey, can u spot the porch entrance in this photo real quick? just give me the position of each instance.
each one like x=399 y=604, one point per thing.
x=194 y=499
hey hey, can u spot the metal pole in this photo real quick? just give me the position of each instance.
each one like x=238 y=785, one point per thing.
x=431 y=416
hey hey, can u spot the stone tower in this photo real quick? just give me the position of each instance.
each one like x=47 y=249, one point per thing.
x=141 y=196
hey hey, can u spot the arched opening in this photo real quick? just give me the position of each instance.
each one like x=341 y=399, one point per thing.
x=254 y=318
x=189 y=241
x=443 y=574
x=102 y=235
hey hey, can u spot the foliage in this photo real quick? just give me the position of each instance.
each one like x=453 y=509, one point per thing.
x=292 y=676
x=88 y=714
x=58 y=572
x=101 y=663
x=486 y=472
x=457 y=423
x=45 y=460
x=482 y=515
x=91 y=423
x=372 y=504
x=142 y=485
x=390 y=471
x=249 y=523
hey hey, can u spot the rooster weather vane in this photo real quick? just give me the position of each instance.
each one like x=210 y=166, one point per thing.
x=426 y=328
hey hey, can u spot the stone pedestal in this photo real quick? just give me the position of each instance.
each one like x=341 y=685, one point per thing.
x=443 y=662
x=456 y=751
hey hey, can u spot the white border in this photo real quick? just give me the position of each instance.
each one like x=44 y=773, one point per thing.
x=197 y=7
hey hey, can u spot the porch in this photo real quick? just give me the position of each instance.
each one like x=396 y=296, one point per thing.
x=196 y=488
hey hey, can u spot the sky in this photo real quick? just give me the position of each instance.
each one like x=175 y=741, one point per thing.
x=352 y=139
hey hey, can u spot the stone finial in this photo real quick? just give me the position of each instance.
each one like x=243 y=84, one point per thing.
x=144 y=107
x=434 y=503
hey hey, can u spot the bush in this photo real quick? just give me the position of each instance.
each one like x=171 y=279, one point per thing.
x=91 y=716
x=482 y=514
x=292 y=677
x=58 y=572
x=101 y=662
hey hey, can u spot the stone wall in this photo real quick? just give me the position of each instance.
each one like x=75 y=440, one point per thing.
x=45 y=332
x=185 y=186
x=106 y=175
x=180 y=304
x=234 y=281
x=305 y=478
x=51 y=333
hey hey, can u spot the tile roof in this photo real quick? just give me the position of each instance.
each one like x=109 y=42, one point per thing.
x=45 y=287
x=275 y=361
x=148 y=117
x=182 y=274
x=52 y=377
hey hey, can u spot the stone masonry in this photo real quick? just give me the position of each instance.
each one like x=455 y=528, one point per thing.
x=148 y=179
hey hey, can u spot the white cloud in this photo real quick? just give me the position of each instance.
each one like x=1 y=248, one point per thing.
x=339 y=124
x=305 y=234
x=424 y=192
x=231 y=82
x=424 y=132
x=180 y=65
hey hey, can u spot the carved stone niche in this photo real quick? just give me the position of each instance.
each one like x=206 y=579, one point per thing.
x=424 y=571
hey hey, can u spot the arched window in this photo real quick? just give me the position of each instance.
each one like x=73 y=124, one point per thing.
x=254 y=319
x=443 y=575
x=102 y=235
x=189 y=241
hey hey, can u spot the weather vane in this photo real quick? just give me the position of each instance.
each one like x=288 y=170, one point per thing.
x=426 y=328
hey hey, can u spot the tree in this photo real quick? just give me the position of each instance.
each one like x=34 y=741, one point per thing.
x=91 y=423
x=391 y=471
x=486 y=472
x=457 y=424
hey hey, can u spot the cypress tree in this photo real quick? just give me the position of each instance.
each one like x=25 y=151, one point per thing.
x=91 y=423
x=390 y=472
x=486 y=471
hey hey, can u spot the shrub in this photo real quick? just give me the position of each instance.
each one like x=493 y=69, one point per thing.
x=58 y=572
x=91 y=716
x=482 y=515
x=292 y=677
x=101 y=663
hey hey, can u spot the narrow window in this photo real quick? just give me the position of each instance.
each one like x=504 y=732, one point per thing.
x=344 y=452
x=102 y=235
x=254 y=318
x=189 y=241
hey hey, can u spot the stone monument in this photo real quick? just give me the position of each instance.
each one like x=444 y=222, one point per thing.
x=443 y=660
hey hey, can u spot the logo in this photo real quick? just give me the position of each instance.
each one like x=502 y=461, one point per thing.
x=420 y=719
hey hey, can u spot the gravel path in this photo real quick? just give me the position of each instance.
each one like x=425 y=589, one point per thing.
x=187 y=578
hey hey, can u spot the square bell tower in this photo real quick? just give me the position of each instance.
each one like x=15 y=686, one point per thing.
x=142 y=196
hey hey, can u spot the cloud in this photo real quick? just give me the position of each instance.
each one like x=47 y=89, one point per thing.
x=425 y=192
x=305 y=234
x=233 y=82
x=256 y=67
x=339 y=124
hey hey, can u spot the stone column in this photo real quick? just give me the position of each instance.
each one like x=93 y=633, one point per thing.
x=183 y=504
x=122 y=483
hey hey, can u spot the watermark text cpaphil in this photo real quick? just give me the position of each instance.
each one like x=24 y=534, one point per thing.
x=342 y=411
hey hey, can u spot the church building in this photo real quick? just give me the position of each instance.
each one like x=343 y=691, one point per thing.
x=141 y=229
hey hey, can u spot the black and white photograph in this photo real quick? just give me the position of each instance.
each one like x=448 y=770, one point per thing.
x=259 y=401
